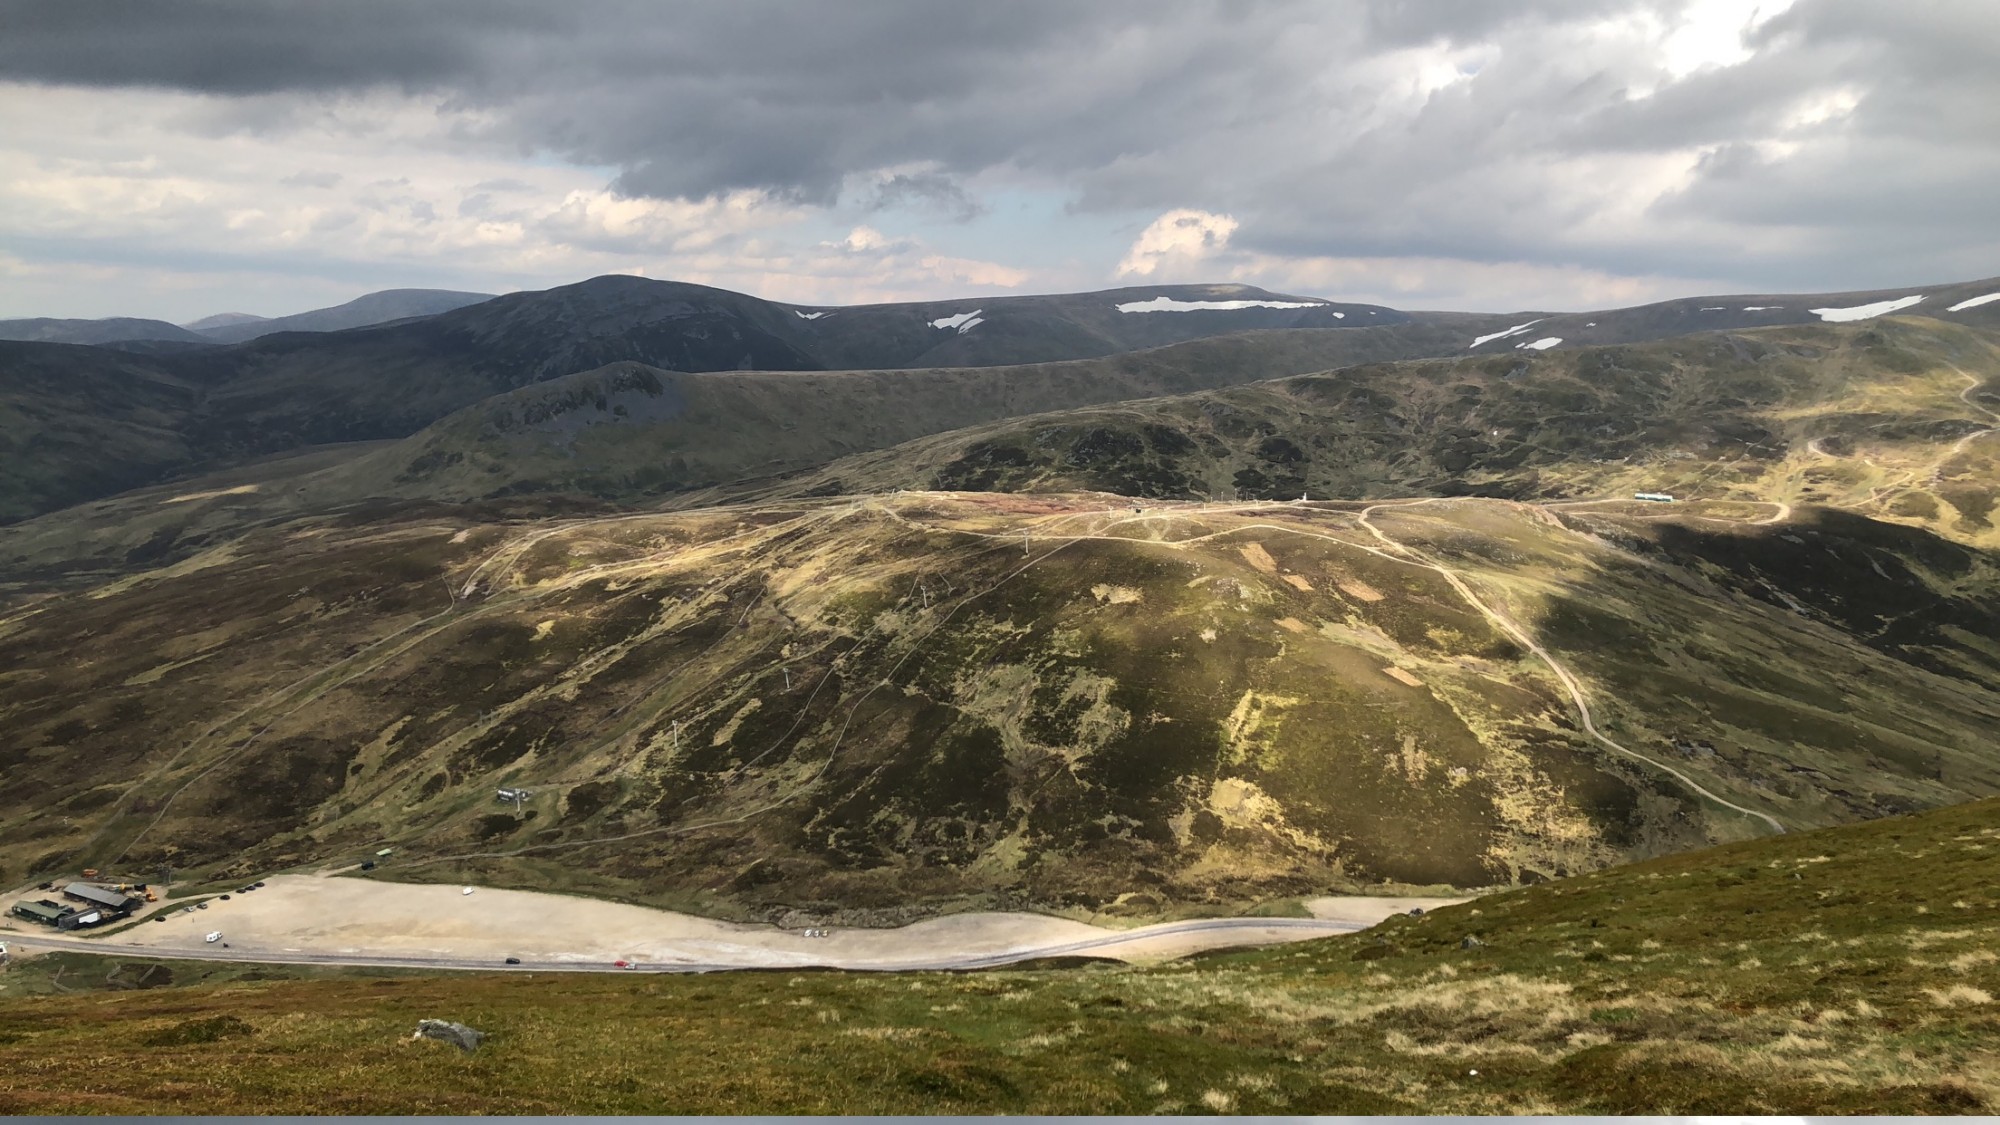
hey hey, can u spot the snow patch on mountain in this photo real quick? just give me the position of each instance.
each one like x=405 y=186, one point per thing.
x=1541 y=345
x=1514 y=331
x=1761 y=308
x=1168 y=304
x=964 y=322
x=1974 y=303
x=1863 y=312
x=807 y=315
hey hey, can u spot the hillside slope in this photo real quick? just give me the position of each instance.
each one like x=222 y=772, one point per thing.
x=1849 y=971
x=626 y=432
x=1974 y=304
x=914 y=701
x=105 y=331
x=77 y=423
x=1896 y=418
x=363 y=311
x=288 y=390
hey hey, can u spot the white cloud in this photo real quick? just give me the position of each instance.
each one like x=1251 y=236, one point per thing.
x=1711 y=33
x=1497 y=156
x=136 y=212
x=863 y=239
x=1177 y=241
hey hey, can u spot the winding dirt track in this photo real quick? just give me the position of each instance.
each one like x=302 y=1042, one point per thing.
x=1972 y=383
x=1564 y=675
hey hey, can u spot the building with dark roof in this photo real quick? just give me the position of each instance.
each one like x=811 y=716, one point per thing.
x=45 y=912
x=92 y=895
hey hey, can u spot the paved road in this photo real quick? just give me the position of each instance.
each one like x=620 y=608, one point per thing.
x=1305 y=927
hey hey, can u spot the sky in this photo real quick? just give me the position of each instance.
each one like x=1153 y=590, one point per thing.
x=270 y=156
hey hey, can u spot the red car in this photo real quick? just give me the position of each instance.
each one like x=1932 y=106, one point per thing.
x=622 y=964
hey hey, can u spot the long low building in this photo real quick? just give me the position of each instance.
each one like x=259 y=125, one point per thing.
x=91 y=894
x=45 y=912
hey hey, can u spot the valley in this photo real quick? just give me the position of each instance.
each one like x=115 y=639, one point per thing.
x=1262 y=611
x=877 y=708
x=1252 y=559
x=1239 y=634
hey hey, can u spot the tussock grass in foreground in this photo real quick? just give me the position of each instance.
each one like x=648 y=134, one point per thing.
x=1842 y=971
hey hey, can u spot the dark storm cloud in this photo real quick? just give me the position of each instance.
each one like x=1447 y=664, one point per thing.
x=1317 y=125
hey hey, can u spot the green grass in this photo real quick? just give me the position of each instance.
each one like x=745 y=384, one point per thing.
x=1844 y=971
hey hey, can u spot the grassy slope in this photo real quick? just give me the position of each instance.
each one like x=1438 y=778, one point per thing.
x=1845 y=971
x=887 y=706
x=631 y=430
x=77 y=423
x=619 y=432
x=1873 y=416
x=294 y=389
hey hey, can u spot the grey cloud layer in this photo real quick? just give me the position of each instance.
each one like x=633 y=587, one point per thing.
x=1301 y=119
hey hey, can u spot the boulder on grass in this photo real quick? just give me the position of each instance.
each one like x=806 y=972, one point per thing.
x=463 y=1037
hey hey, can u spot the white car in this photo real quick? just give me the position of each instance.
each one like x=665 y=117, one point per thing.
x=213 y=937
x=466 y=891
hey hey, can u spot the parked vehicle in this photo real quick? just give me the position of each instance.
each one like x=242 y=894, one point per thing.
x=513 y=960
x=213 y=937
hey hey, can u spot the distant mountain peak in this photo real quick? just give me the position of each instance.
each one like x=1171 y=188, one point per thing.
x=223 y=320
x=369 y=309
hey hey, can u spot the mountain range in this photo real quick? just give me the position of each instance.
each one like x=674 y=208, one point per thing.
x=382 y=307
x=1153 y=596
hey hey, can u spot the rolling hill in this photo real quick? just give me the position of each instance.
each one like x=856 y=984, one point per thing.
x=289 y=390
x=879 y=706
x=109 y=330
x=1890 y=417
x=77 y=423
x=1972 y=303
x=382 y=307
x=1006 y=685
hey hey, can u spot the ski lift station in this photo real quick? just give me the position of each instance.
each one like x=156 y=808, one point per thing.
x=98 y=905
